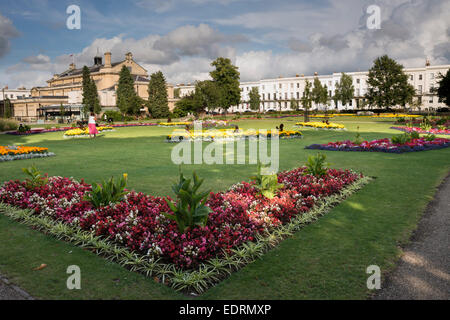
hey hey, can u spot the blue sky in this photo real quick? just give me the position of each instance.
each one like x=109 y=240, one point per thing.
x=181 y=37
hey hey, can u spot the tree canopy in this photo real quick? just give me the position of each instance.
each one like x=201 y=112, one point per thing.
x=91 y=101
x=227 y=77
x=443 y=91
x=254 y=99
x=128 y=101
x=307 y=99
x=387 y=84
x=345 y=90
x=158 y=99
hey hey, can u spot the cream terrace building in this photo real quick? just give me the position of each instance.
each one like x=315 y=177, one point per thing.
x=66 y=89
x=276 y=94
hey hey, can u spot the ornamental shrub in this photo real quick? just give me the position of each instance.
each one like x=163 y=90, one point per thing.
x=108 y=192
x=316 y=165
x=267 y=185
x=36 y=180
x=8 y=125
x=190 y=209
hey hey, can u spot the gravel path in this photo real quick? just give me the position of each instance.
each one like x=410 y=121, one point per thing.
x=423 y=272
x=9 y=291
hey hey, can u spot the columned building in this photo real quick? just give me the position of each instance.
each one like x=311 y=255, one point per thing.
x=277 y=94
x=67 y=88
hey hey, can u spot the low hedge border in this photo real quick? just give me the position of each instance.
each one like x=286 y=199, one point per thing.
x=190 y=282
x=26 y=156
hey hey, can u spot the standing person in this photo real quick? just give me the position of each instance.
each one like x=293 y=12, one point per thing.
x=92 y=125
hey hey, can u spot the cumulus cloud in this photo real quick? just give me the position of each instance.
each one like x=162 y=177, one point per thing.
x=39 y=59
x=7 y=32
x=305 y=41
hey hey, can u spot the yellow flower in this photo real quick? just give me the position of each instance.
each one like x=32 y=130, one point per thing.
x=125 y=176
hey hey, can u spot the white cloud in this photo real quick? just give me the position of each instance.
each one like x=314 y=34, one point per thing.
x=7 y=32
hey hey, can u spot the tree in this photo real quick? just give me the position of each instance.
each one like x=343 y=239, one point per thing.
x=91 y=102
x=254 y=99
x=157 y=96
x=7 y=106
x=319 y=93
x=443 y=91
x=207 y=94
x=127 y=101
x=294 y=104
x=387 y=84
x=227 y=76
x=184 y=106
x=307 y=99
x=344 y=89
x=62 y=111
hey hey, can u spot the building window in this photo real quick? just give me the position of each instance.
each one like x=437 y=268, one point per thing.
x=263 y=97
x=357 y=81
x=431 y=76
x=411 y=77
x=431 y=100
x=420 y=89
x=280 y=86
x=298 y=95
x=298 y=85
x=268 y=96
x=420 y=77
x=264 y=87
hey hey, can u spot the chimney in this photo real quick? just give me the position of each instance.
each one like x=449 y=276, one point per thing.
x=427 y=63
x=72 y=66
x=129 y=56
x=297 y=75
x=98 y=61
x=108 y=60
x=316 y=74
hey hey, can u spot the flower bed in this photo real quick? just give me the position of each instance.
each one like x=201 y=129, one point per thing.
x=84 y=133
x=174 y=124
x=384 y=145
x=135 y=232
x=321 y=125
x=10 y=153
x=420 y=130
x=228 y=134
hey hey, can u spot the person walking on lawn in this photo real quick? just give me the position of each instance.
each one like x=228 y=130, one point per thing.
x=92 y=125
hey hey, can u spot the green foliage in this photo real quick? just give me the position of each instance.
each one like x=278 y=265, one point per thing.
x=227 y=76
x=190 y=209
x=8 y=125
x=307 y=99
x=184 y=106
x=443 y=91
x=36 y=179
x=108 y=192
x=157 y=96
x=255 y=99
x=7 y=109
x=207 y=94
x=345 y=89
x=319 y=93
x=267 y=185
x=359 y=139
x=316 y=165
x=405 y=138
x=114 y=115
x=388 y=85
x=430 y=137
x=128 y=101
x=91 y=101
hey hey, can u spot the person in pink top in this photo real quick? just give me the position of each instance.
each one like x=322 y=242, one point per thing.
x=92 y=125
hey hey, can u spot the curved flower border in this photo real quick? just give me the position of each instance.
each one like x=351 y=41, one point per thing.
x=420 y=130
x=208 y=274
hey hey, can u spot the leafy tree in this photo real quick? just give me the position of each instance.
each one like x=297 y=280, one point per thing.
x=254 y=99
x=387 y=84
x=176 y=93
x=344 y=89
x=126 y=96
x=62 y=110
x=307 y=99
x=184 y=106
x=294 y=104
x=443 y=91
x=157 y=96
x=207 y=94
x=319 y=93
x=227 y=76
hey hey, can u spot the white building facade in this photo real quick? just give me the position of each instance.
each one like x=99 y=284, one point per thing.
x=14 y=94
x=277 y=94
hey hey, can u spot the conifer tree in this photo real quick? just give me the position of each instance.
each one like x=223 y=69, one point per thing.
x=157 y=96
x=127 y=101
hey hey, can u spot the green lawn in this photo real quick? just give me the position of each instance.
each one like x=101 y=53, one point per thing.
x=325 y=260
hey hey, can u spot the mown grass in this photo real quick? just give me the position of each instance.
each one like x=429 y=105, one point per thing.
x=325 y=260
